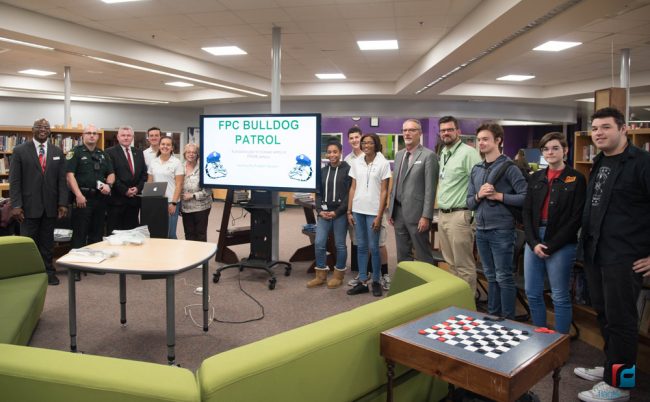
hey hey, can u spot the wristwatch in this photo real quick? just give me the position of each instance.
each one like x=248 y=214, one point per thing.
x=174 y=203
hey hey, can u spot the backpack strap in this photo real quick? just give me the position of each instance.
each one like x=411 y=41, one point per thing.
x=500 y=172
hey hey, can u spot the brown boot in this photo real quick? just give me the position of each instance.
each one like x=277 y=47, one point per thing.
x=319 y=279
x=337 y=278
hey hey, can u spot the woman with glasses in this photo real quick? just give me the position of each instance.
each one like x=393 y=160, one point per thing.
x=197 y=201
x=366 y=205
x=552 y=215
x=331 y=206
x=168 y=168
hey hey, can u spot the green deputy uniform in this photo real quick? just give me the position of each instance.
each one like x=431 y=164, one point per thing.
x=88 y=167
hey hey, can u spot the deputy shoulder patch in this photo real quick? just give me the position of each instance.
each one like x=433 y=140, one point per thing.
x=70 y=154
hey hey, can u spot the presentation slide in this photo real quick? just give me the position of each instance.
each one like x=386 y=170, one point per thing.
x=275 y=152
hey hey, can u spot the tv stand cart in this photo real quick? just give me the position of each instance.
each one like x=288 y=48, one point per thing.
x=260 y=207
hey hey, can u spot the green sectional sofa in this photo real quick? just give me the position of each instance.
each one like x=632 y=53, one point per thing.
x=335 y=359
x=23 y=283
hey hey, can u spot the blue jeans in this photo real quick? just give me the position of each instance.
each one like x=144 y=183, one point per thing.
x=558 y=268
x=367 y=239
x=496 y=248
x=340 y=227
x=173 y=222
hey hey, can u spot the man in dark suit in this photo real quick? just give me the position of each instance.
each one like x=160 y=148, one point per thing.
x=412 y=195
x=38 y=191
x=130 y=176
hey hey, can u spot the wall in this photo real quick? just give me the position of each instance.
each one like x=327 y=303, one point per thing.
x=23 y=112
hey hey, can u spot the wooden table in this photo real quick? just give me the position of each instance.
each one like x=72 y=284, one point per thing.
x=504 y=378
x=162 y=258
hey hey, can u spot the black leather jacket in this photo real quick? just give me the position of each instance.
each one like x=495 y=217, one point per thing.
x=565 y=207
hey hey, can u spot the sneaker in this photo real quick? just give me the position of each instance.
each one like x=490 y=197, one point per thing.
x=355 y=281
x=385 y=282
x=376 y=289
x=591 y=374
x=604 y=392
x=358 y=289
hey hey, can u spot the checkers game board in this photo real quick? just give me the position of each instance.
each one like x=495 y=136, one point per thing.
x=483 y=336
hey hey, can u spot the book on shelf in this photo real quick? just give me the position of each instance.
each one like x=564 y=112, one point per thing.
x=4 y=164
x=9 y=142
x=588 y=153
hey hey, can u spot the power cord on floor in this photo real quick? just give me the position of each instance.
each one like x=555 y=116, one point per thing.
x=250 y=297
x=198 y=290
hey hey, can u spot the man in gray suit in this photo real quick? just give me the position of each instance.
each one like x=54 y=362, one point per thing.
x=412 y=195
x=38 y=191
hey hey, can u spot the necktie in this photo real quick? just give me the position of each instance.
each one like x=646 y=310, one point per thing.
x=128 y=158
x=405 y=165
x=41 y=156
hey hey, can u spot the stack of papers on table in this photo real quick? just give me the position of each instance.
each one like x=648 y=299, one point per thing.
x=87 y=255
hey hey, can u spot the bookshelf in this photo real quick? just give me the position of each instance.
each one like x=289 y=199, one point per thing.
x=584 y=150
x=11 y=136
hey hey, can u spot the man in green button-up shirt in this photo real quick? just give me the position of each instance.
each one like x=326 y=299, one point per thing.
x=455 y=219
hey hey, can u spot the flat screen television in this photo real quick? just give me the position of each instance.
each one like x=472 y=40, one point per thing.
x=278 y=152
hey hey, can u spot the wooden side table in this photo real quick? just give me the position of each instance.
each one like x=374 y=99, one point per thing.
x=503 y=378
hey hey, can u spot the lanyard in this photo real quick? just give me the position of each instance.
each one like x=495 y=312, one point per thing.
x=448 y=155
x=336 y=172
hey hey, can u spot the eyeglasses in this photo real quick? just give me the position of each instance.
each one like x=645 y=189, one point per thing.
x=410 y=130
x=551 y=149
x=447 y=130
x=91 y=132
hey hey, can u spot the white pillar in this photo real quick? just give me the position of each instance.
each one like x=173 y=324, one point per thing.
x=276 y=56
x=625 y=81
x=67 y=89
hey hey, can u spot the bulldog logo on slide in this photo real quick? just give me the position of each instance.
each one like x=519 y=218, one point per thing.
x=213 y=166
x=302 y=170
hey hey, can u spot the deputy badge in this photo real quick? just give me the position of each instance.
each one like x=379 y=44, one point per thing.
x=302 y=171
x=213 y=166
x=70 y=154
x=570 y=179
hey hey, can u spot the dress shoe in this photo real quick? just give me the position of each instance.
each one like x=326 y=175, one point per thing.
x=52 y=279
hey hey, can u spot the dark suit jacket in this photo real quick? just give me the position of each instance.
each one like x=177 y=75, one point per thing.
x=123 y=177
x=31 y=189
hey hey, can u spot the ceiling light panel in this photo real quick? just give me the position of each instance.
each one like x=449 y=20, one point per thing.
x=40 y=73
x=556 y=46
x=337 y=76
x=224 y=50
x=515 y=77
x=179 y=84
x=118 y=1
x=378 y=44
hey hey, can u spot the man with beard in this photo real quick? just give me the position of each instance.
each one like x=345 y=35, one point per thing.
x=455 y=221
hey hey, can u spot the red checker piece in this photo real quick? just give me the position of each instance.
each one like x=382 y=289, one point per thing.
x=466 y=328
x=476 y=324
x=441 y=339
x=470 y=318
x=441 y=332
x=422 y=332
x=452 y=333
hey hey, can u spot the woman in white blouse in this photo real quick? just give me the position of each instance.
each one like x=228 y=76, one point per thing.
x=168 y=168
x=197 y=202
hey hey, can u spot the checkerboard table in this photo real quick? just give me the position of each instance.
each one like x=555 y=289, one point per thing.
x=499 y=359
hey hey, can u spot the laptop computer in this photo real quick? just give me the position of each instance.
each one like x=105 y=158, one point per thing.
x=155 y=189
